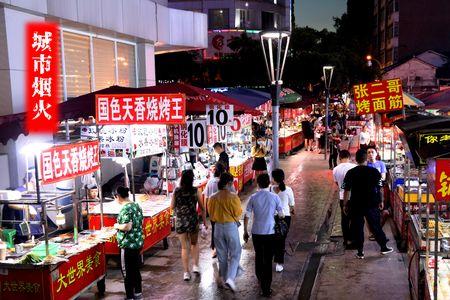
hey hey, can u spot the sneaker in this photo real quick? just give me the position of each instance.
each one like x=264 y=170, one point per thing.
x=187 y=276
x=386 y=250
x=360 y=255
x=196 y=269
x=279 y=268
x=240 y=271
x=231 y=285
x=138 y=296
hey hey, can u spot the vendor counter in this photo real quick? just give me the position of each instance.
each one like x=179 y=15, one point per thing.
x=290 y=140
x=241 y=169
x=156 y=224
x=65 y=275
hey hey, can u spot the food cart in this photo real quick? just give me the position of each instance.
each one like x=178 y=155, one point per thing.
x=54 y=266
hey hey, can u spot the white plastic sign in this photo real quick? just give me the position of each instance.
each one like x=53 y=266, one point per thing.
x=219 y=115
x=197 y=133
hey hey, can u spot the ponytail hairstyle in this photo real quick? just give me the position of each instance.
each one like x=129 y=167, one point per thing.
x=225 y=179
x=278 y=177
x=220 y=169
x=122 y=192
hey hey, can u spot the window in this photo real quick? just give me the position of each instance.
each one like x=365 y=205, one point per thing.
x=390 y=8
x=389 y=57
x=218 y=19
x=395 y=29
x=242 y=18
x=77 y=64
x=395 y=54
x=104 y=63
x=267 y=20
x=93 y=63
x=126 y=64
x=390 y=32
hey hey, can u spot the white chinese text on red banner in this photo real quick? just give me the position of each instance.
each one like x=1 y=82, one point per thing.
x=63 y=162
x=42 y=56
x=140 y=109
x=378 y=97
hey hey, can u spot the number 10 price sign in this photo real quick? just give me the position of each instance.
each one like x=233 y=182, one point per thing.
x=219 y=115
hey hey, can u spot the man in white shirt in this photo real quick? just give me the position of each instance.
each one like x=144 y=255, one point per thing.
x=263 y=205
x=339 y=173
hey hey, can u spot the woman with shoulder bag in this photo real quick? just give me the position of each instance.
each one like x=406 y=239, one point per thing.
x=225 y=211
x=287 y=203
x=184 y=203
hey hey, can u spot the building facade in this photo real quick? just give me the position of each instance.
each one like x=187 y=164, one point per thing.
x=103 y=43
x=402 y=28
x=228 y=19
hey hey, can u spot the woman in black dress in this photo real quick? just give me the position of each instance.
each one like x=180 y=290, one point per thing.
x=308 y=134
x=259 y=154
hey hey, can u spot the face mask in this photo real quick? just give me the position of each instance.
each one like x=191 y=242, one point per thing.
x=261 y=143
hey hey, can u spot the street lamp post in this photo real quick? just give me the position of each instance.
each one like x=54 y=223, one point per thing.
x=327 y=76
x=275 y=46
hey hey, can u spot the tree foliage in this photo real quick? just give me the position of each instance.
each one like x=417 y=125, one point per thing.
x=309 y=51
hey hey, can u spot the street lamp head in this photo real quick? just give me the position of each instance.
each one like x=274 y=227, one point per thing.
x=328 y=75
x=369 y=57
x=275 y=45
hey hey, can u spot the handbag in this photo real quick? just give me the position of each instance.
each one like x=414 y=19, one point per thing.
x=281 y=227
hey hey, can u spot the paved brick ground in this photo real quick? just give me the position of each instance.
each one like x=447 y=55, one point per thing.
x=311 y=181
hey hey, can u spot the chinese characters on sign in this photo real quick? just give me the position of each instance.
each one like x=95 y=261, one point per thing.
x=378 y=97
x=141 y=109
x=148 y=139
x=67 y=161
x=219 y=114
x=114 y=139
x=42 y=56
x=442 y=180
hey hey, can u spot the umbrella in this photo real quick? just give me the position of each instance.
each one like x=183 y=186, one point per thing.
x=411 y=100
x=439 y=100
x=252 y=98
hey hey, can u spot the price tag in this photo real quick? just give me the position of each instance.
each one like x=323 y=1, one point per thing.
x=220 y=115
x=236 y=124
x=222 y=133
x=197 y=133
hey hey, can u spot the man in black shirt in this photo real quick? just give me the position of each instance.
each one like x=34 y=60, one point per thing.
x=363 y=198
x=223 y=156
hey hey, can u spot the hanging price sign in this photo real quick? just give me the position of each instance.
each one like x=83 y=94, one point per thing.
x=217 y=134
x=219 y=114
x=197 y=133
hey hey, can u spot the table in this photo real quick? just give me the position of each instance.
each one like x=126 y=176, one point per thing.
x=241 y=169
x=289 y=140
x=65 y=280
x=156 y=224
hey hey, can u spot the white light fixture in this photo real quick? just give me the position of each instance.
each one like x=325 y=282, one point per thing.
x=275 y=41
x=34 y=148
x=328 y=75
x=246 y=4
x=123 y=161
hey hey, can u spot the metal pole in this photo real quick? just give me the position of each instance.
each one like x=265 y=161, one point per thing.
x=99 y=183
x=326 y=122
x=436 y=250
x=43 y=204
x=276 y=88
x=427 y=249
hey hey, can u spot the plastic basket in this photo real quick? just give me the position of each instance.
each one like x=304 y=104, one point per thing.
x=8 y=237
x=39 y=250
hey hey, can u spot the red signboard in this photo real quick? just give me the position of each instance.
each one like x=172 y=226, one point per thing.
x=442 y=180
x=155 y=229
x=141 y=109
x=67 y=161
x=41 y=58
x=378 y=97
x=83 y=269
x=53 y=282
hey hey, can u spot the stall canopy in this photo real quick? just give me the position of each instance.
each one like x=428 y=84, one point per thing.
x=411 y=100
x=196 y=100
x=250 y=97
x=439 y=100
x=11 y=126
x=424 y=137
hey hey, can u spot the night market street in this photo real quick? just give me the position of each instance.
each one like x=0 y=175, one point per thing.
x=314 y=193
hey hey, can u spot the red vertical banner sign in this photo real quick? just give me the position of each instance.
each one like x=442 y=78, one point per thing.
x=442 y=180
x=42 y=67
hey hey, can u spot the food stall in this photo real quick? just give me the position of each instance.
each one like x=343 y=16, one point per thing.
x=291 y=135
x=126 y=138
x=414 y=202
x=54 y=266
